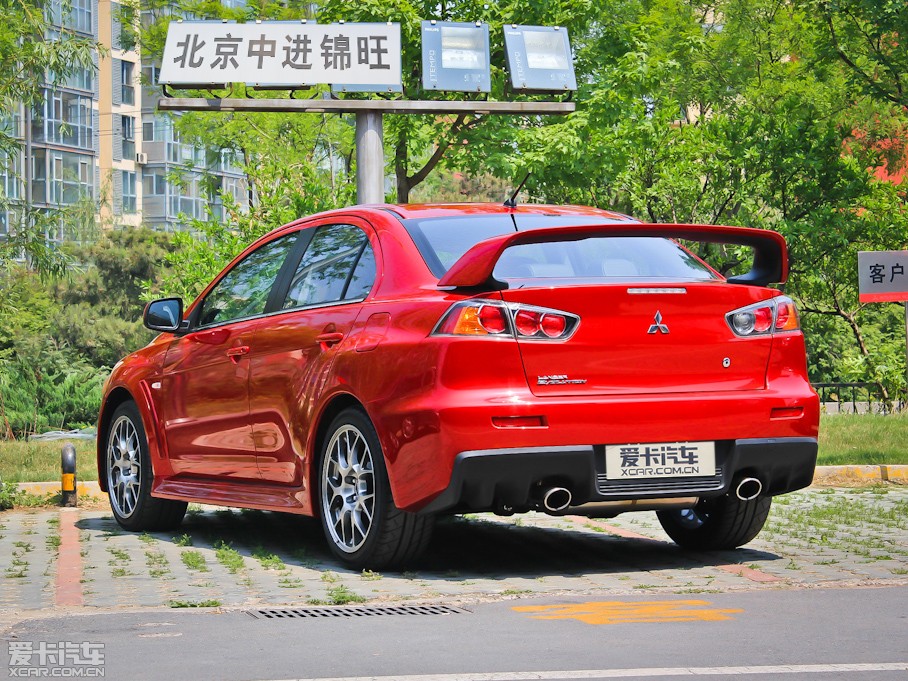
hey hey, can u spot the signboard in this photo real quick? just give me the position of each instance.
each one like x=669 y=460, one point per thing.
x=276 y=53
x=883 y=276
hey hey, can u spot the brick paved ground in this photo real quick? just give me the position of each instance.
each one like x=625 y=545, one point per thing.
x=820 y=537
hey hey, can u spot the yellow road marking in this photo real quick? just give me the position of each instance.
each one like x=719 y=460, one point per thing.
x=619 y=612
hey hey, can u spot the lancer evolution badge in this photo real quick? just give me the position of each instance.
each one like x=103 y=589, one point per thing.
x=657 y=326
x=559 y=379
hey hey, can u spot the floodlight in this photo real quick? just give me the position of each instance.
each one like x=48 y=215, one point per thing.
x=539 y=58
x=455 y=56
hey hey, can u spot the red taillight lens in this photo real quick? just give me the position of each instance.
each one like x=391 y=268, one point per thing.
x=492 y=318
x=527 y=322
x=762 y=319
x=553 y=325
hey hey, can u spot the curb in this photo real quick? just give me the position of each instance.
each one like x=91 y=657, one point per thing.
x=89 y=489
x=824 y=475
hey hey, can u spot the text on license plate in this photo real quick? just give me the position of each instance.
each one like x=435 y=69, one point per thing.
x=660 y=460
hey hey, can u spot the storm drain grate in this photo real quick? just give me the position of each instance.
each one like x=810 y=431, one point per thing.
x=355 y=611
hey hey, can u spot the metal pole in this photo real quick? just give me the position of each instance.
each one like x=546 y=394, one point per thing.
x=68 y=481
x=370 y=158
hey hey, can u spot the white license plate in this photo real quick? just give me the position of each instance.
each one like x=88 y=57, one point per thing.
x=660 y=460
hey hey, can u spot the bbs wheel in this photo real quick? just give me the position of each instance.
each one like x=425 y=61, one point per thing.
x=129 y=476
x=363 y=527
x=721 y=523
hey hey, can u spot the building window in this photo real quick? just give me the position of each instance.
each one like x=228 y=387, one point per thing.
x=154 y=184
x=129 y=137
x=129 y=192
x=64 y=118
x=78 y=15
x=61 y=177
x=128 y=87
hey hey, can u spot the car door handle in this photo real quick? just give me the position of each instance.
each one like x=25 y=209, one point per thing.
x=329 y=339
x=235 y=353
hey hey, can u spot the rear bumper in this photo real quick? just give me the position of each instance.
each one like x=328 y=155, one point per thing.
x=499 y=478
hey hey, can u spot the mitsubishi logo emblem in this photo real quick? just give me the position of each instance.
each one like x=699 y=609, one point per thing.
x=657 y=326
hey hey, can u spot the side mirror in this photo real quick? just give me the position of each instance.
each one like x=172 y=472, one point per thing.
x=165 y=314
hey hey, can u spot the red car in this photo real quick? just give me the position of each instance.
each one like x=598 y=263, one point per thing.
x=379 y=365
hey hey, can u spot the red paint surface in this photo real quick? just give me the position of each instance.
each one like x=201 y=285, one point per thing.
x=68 y=591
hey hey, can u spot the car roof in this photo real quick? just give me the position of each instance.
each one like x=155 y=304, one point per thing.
x=438 y=210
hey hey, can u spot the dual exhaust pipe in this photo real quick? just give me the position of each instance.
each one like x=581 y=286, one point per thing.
x=558 y=499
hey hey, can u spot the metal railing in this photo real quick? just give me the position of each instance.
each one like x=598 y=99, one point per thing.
x=858 y=398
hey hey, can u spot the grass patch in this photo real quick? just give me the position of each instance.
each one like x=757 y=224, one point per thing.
x=211 y=603
x=863 y=439
x=183 y=540
x=269 y=561
x=341 y=595
x=194 y=560
x=229 y=557
x=40 y=461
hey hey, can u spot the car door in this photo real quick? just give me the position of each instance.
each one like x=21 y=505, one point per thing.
x=319 y=302
x=205 y=384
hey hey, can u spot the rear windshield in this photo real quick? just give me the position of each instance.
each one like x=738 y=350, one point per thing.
x=442 y=241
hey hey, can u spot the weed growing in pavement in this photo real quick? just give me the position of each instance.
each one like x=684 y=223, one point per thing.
x=289 y=582
x=52 y=542
x=269 y=561
x=183 y=540
x=515 y=592
x=121 y=572
x=899 y=571
x=228 y=556
x=369 y=576
x=147 y=538
x=118 y=554
x=53 y=522
x=339 y=595
x=195 y=604
x=24 y=545
x=329 y=577
x=194 y=560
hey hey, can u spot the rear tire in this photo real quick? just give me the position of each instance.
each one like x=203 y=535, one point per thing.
x=130 y=476
x=720 y=523
x=363 y=527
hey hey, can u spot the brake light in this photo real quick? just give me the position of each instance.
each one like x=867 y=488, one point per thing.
x=480 y=317
x=776 y=314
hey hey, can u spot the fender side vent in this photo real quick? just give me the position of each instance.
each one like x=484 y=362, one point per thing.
x=357 y=611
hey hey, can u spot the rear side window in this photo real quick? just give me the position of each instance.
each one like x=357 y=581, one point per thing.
x=243 y=291
x=338 y=265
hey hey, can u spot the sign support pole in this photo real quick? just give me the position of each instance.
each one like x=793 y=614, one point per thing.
x=370 y=158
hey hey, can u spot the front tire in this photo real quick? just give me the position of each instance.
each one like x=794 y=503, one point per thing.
x=713 y=524
x=363 y=527
x=130 y=476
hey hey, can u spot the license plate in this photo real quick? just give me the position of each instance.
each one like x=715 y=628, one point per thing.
x=660 y=460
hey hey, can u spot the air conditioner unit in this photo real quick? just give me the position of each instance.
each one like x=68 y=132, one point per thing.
x=141 y=157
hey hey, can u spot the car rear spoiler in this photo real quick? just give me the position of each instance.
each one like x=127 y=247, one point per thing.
x=770 y=263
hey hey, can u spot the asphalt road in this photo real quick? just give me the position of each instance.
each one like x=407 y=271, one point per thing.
x=820 y=633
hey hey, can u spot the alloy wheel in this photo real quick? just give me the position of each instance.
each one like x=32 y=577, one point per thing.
x=348 y=488
x=124 y=466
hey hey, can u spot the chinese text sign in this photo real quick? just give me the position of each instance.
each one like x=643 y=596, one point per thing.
x=883 y=276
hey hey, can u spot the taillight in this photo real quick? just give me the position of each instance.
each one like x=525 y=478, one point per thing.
x=480 y=317
x=776 y=314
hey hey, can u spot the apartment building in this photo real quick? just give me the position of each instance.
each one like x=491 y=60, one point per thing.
x=95 y=137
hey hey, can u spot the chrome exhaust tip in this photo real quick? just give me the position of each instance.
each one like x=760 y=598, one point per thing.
x=556 y=499
x=748 y=489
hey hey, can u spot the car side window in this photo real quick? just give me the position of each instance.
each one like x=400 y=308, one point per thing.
x=243 y=291
x=338 y=265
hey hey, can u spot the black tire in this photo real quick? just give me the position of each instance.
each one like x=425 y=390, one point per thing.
x=720 y=523
x=353 y=491
x=129 y=491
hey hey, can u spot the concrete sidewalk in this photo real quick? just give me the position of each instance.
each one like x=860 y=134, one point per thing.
x=80 y=558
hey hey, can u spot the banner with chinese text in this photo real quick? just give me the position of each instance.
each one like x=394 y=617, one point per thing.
x=281 y=53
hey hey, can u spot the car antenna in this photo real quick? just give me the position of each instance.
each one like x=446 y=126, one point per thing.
x=512 y=202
